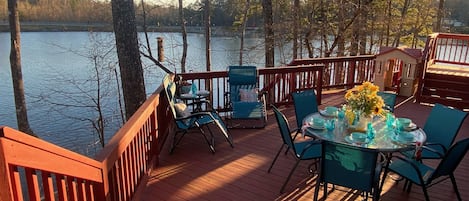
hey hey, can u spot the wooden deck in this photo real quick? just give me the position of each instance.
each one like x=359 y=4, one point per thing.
x=240 y=173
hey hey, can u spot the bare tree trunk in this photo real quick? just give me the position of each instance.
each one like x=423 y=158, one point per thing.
x=268 y=33
x=388 y=25
x=16 y=73
x=243 y=30
x=296 y=26
x=439 y=16
x=207 y=34
x=341 y=29
x=149 y=55
x=125 y=30
x=182 y=21
x=397 y=39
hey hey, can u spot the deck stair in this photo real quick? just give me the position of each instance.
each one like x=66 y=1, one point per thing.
x=445 y=77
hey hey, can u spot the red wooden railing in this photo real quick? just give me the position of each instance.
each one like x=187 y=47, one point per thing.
x=49 y=172
x=445 y=77
x=447 y=48
x=340 y=72
x=33 y=169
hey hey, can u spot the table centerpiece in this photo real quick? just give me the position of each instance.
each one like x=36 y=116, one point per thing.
x=362 y=102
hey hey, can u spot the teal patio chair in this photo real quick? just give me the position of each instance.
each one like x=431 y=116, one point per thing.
x=186 y=120
x=389 y=99
x=441 y=128
x=349 y=166
x=245 y=100
x=305 y=150
x=426 y=176
x=305 y=103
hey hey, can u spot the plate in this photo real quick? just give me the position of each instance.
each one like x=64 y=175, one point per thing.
x=350 y=140
x=316 y=127
x=325 y=113
x=412 y=126
x=399 y=140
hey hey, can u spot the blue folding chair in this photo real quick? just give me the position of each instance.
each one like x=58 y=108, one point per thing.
x=305 y=103
x=389 y=99
x=245 y=100
x=186 y=121
x=349 y=166
x=441 y=128
x=305 y=150
x=426 y=176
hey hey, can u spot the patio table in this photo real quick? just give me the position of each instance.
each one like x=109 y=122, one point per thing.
x=385 y=140
x=195 y=98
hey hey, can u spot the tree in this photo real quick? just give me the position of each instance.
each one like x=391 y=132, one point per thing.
x=182 y=20
x=268 y=33
x=131 y=71
x=208 y=34
x=439 y=17
x=15 y=64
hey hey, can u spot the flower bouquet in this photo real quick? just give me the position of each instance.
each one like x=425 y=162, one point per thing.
x=362 y=102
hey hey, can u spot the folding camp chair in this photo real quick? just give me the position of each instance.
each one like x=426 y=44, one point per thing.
x=186 y=120
x=245 y=101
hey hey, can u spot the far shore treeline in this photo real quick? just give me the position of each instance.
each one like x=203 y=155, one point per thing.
x=386 y=22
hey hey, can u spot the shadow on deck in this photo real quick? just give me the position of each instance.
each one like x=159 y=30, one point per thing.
x=240 y=173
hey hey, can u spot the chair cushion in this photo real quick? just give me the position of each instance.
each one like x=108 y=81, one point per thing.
x=182 y=110
x=248 y=95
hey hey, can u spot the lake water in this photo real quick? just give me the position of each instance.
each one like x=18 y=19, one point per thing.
x=56 y=68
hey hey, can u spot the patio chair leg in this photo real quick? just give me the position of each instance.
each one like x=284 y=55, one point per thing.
x=455 y=187
x=425 y=193
x=289 y=175
x=316 y=190
x=176 y=140
x=225 y=133
x=275 y=159
x=210 y=144
x=409 y=186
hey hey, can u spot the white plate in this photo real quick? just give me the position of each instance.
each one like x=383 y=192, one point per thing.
x=317 y=127
x=412 y=126
x=350 y=140
x=324 y=113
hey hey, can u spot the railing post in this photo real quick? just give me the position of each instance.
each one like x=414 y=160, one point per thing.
x=351 y=74
x=5 y=192
x=320 y=83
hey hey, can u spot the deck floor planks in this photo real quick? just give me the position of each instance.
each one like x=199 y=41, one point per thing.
x=240 y=173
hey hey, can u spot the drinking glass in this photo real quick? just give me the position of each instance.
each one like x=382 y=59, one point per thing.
x=330 y=124
x=390 y=120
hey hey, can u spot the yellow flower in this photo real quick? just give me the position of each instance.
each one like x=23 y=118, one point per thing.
x=364 y=99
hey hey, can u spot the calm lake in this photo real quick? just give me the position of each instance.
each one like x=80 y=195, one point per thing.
x=60 y=83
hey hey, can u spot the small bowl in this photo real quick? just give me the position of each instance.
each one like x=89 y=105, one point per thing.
x=318 y=122
x=331 y=110
x=404 y=122
x=358 y=137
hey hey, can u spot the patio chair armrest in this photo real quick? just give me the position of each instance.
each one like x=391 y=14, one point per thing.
x=434 y=150
x=196 y=114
